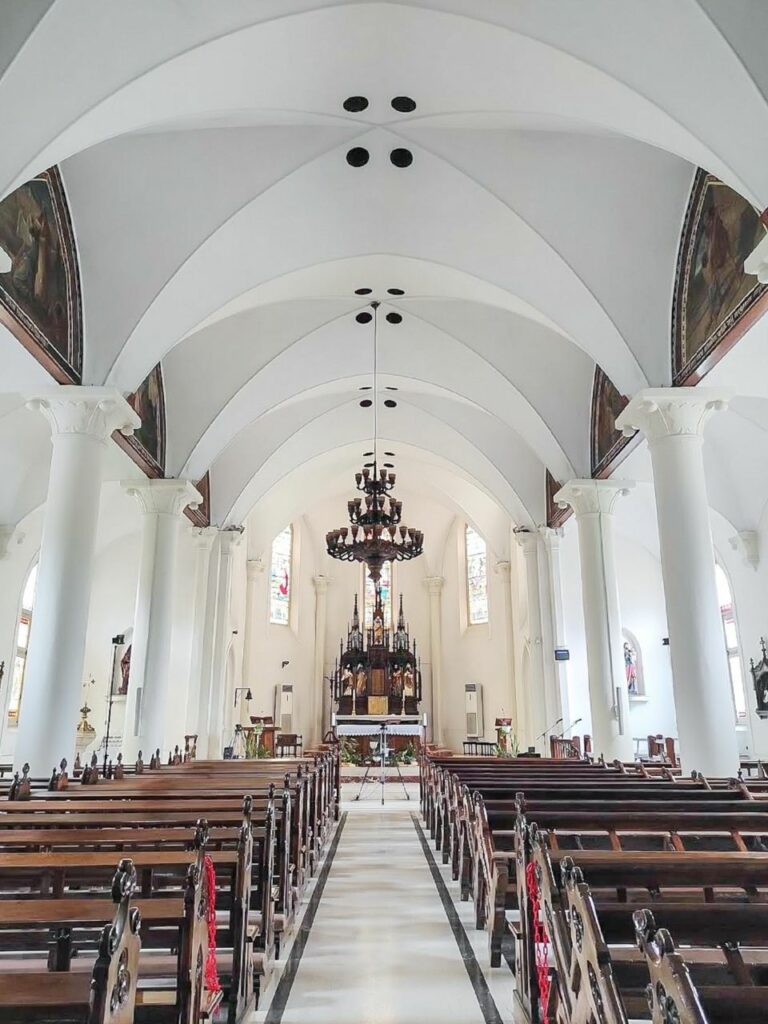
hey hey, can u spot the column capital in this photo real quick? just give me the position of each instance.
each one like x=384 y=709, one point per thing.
x=6 y=535
x=434 y=585
x=592 y=497
x=321 y=583
x=528 y=540
x=88 y=411
x=254 y=567
x=747 y=544
x=551 y=536
x=503 y=568
x=203 y=536
x=163 y=497
x=229 y=538
x=672 y=412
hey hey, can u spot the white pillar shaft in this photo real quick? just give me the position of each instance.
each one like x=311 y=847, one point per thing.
x=436 y=647
x=673 y=421
x=54 y=675
x=206 y=654
x=553 y=588
x=319 y=723
x=222 y=637
x=602 y=625
x=511 y=708
x=703 y=699
x=203 y=541
x=538 y=712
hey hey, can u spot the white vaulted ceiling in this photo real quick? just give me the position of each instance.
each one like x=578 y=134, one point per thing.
x=222 y=231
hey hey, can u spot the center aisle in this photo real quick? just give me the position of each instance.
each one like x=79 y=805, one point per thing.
x=381 y=948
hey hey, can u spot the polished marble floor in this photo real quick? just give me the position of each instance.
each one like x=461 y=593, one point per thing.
x=381 y=948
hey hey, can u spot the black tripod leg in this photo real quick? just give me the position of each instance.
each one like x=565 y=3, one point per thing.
x=365 y=779
x=402 y=781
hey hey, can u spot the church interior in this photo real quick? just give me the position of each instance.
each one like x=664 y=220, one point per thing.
x=383 y=519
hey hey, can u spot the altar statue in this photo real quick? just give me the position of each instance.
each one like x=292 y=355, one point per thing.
x=361 y=681
x=397 y=682
x=408 y=687
x=347 y=681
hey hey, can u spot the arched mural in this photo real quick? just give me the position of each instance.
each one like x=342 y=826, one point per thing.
x=40 y=298
x=714 y=300
x=606 y=442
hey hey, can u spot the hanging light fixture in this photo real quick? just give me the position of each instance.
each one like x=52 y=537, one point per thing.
x=376 y=533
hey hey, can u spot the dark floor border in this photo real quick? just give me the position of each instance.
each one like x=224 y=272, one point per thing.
x=486 y=1002
x=284 y=986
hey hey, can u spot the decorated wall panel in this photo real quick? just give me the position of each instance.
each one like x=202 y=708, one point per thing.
x=607 y=443
x=714 y=300
x=40 y=297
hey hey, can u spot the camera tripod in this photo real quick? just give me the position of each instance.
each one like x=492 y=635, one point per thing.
x=383 y=751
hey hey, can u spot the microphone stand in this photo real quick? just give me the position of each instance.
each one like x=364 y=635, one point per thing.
x=117 y=641
x=548 y=730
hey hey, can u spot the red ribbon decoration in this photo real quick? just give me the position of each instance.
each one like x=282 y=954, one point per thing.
x=212 y=982
x=540 y=940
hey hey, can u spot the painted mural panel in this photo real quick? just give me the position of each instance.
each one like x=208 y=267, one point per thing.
x=714 y=300
x=606 y=441
x=147 y=445
x=40 y=298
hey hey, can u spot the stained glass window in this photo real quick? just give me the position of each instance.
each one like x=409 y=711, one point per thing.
x=22 y=646
x=280 y=577
x=386 y=595
x=730 y=639
x=477 y=577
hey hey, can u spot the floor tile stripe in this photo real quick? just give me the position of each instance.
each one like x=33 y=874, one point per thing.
x=284 y=986
x=485 y=1000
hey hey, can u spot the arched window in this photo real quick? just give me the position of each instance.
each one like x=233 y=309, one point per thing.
x=730 y=634
x=369 y=596
x=22 y=646
x=477 y=577
x=280 y=577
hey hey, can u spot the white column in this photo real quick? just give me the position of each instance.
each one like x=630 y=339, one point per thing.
x=673 y=421
x=204 y=536
x=254 y=574
x=553 y=589
x=82 y=420
x=503 y=570
x=162 y=503
x=228 y=540
x=320 y=694
x=208 y=643
x=434 y=585
x=593 y=501
x=539 y=715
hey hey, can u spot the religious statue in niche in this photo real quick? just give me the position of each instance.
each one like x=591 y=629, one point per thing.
x=347 y=681
x=760 y=681
x=40 y=289
x=630 y=667
x=396 y=688
x=361 y=681
x=713 y=294
x=408 y=682
x=125 y=671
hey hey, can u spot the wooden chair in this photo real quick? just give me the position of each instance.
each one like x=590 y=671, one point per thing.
x=289 y=744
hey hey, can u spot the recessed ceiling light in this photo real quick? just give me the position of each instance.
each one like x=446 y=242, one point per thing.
x=403 y=104
x=363 y=291
x=395 y=291
x=390 y=403
x=366 y=403
x=394 y=318
x=364 y=317
x=358 y=156
x=354 y=104
x=400 y=157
